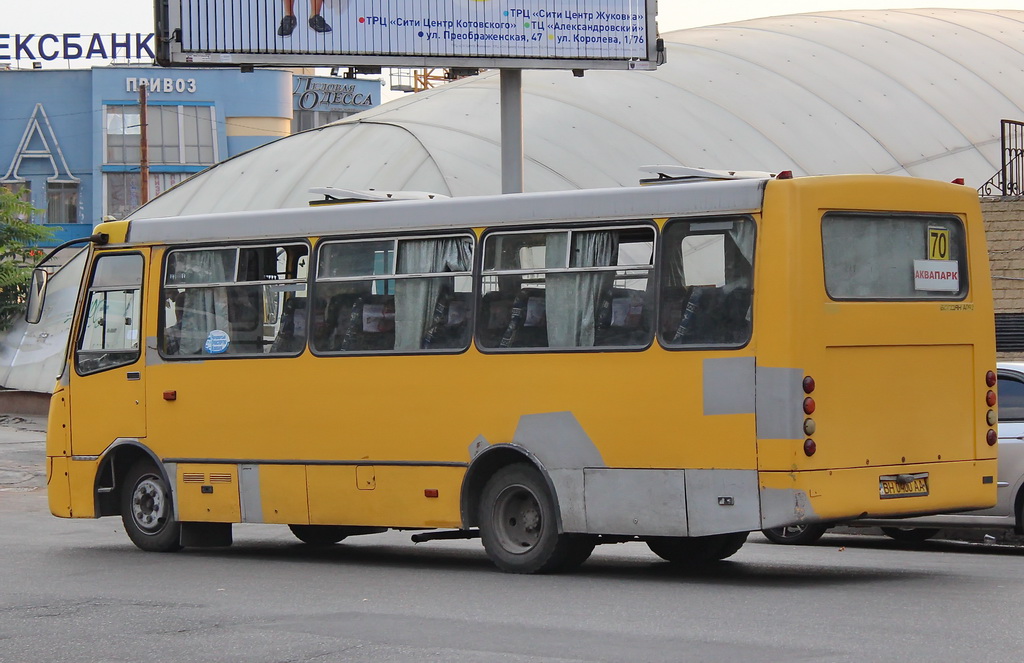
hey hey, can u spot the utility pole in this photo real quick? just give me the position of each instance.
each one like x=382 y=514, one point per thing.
x=143 y=146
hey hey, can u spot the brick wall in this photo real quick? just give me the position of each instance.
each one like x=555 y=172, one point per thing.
x=1004 y=228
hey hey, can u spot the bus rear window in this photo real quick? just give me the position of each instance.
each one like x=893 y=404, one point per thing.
x=892 y=256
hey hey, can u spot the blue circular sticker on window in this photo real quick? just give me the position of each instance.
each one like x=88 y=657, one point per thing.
x=217 y=342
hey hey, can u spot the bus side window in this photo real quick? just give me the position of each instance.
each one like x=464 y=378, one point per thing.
x=393 y=295
x=567 y=289
x=226 y=300
x=707 y=283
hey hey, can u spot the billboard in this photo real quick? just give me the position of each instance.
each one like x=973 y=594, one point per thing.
x=527 y=34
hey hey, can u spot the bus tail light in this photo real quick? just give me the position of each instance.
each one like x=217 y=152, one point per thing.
x=990 y=398
x=809 y=447
x=991 y=437
x=809 y=384
x=784 y=175
x=990 y=379
x=809 y=405
x=958 y=180
x=990 y=418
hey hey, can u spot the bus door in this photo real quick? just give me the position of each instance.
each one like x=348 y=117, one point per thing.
x=107 y=390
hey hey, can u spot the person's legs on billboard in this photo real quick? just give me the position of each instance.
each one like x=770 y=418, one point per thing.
x=288 y=21
x=316 y=21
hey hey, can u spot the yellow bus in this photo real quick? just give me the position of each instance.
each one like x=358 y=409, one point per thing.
x=678 y=364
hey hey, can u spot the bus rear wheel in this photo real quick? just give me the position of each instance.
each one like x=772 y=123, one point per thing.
x=697 y=549
x=147 y=509
x=319 y=535
x=518 y=524
x=797 y=535
x=910 y=534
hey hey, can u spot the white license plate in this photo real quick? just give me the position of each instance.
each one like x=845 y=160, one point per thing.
x=903 y=485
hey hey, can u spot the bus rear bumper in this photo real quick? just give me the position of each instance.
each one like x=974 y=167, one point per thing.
x=829 y=496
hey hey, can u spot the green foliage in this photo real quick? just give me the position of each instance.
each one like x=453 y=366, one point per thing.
x=18 y=237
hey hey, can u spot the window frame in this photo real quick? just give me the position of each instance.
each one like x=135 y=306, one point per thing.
x=332 y=240
x=238 y=247
x=923 y=216
x=132 y=356
x=1005 y=376
x=662 y=266
x=568 y=228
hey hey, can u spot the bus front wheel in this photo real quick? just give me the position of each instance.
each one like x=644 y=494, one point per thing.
x=319 y=535
x=518 y=524
x=147 y=510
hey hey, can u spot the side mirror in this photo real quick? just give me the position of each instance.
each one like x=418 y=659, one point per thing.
x=36 y=295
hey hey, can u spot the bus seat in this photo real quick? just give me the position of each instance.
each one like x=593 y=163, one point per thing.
x=376 y=325
x=527 y=326
x=621 y=318
x=495 y=313
x=291 y=337
x=449 y=324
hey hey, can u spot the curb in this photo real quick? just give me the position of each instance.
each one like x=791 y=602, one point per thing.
x=24 y=402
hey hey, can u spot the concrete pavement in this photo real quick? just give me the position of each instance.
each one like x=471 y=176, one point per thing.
x=22 y=453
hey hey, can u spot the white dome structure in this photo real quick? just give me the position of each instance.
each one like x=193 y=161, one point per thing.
x=909 y=92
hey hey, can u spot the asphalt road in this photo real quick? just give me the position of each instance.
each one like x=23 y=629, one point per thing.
x=77 y=590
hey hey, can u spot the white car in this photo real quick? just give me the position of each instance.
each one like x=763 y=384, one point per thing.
x=1008 y=513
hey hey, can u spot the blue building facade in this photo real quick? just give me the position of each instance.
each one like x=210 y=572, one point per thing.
x=71 y=141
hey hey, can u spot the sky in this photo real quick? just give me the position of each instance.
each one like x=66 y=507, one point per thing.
x=88 y=16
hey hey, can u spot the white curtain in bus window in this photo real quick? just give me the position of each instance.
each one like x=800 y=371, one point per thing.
x=394 y=295
x=893 y=256
x=567 y=289
x=112 y=321
x=238 y=300
x=707 y=282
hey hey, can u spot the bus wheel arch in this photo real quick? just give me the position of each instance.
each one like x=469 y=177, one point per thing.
x=1018 y=511
x=113 y=470
x=484 y=466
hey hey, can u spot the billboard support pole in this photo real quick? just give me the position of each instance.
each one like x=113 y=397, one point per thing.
x=511 y=101
x=143 y=145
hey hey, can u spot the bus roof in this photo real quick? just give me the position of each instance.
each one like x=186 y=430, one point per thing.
x=733 y=196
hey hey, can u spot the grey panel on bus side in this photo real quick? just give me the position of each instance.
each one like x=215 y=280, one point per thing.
x=728 y=385
x=720 y=501
x=249 y=493
x=561 y=445
x=636 y=502
x=781 y=507
x=171 y=471
x=779 y=398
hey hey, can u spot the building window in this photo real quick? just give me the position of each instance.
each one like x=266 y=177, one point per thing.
x=176 y=135
x=62 y=202
x=124 y=190
x=303 y=120
x=24 y=192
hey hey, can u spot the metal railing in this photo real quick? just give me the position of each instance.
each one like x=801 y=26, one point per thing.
x=1009 y=179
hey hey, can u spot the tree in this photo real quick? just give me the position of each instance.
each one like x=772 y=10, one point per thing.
x=18 y=255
